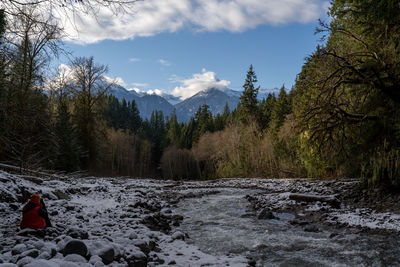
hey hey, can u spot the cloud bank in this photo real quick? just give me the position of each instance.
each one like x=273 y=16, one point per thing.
x=199 y=82
x=157 y=16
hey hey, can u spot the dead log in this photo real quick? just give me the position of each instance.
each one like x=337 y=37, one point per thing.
x=331 y=200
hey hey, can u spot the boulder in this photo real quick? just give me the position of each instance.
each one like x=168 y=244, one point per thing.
x=107 y=255
x=135 y=258
x=24 y=261
x=18 y=249
x=30 y=253
x=75 y=247
x=75 y=258
x=265 y=214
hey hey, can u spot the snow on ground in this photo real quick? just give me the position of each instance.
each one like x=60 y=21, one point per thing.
x=130 y=222
x=105 y=214
x=367 y=218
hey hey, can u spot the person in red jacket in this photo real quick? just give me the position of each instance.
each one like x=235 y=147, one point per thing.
x=34 y=214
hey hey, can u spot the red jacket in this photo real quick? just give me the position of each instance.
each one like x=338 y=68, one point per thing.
x=31 y=218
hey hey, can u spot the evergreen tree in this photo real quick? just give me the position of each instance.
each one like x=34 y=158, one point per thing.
x=279 y=111
x=68 y=150
x=266 y=107
x=135 y=121
x=204 y=120
x=189 y=133
x=157 y=133
x=247 y=108
x=174 y=132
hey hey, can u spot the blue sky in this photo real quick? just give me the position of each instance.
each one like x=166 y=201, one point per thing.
x=159 y=50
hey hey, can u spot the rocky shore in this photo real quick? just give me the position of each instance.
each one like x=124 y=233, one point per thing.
x=131 y=222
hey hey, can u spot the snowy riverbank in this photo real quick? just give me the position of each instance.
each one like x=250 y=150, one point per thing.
x=132 y=222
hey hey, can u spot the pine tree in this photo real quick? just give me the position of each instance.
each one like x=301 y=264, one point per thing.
x=279 y=111
x=247 y=108
x=204 y=120
x=135 y=121
x=174 y=134
x=266 y=107
x=68 y=150
x=188 y=134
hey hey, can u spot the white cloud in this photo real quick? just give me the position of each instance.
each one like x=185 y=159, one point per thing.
x=164 y=62
x=134 y=59
x=117 y=80
x=157 y=16
x=199 y=82
x=155 y=92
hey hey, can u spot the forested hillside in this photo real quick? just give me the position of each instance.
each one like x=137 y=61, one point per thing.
x=341 y=118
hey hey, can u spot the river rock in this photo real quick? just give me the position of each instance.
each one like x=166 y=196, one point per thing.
x=24 y=261
x=61 y=195
x=178 y=235
x=18 y=249
x=135 y=258
x=41 y=263
x=75 y=258
x=265 y=214
x=311 y=228
x=44 y=255
x=107 y=255
x=78 y=233
x=30 y=253
x=75 y=247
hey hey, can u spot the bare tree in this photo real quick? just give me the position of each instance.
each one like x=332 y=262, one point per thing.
x=90 y=91
x=69 y=9
x=25 y=122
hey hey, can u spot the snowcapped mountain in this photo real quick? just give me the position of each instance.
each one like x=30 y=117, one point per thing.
x=149 y=103
x=146 y=103
x=216 y=100
x=121 y=93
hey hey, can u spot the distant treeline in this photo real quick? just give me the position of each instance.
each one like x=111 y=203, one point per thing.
x=341 y=118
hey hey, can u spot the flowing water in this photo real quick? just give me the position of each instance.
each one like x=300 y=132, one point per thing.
x=221 y=224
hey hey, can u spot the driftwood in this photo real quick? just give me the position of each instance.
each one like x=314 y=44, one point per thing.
x=332 y=200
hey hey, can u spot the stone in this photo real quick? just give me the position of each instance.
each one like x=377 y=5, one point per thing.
x=75 y=258
x=265 y=214
x=18 y=249
x=311 y=228
x=178 y=235
x=32 y=232
x=13 y=206
x=44 y=255
x=38 y=244
x=30 y=253
x=136 y=258
x=61 y=195
x=133 y=235
x=94 y=259
x=75 y=247
x=78 y=233
x=24 y=261
x=107 y=255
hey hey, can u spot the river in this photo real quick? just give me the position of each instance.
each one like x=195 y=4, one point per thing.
x=223 y=224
